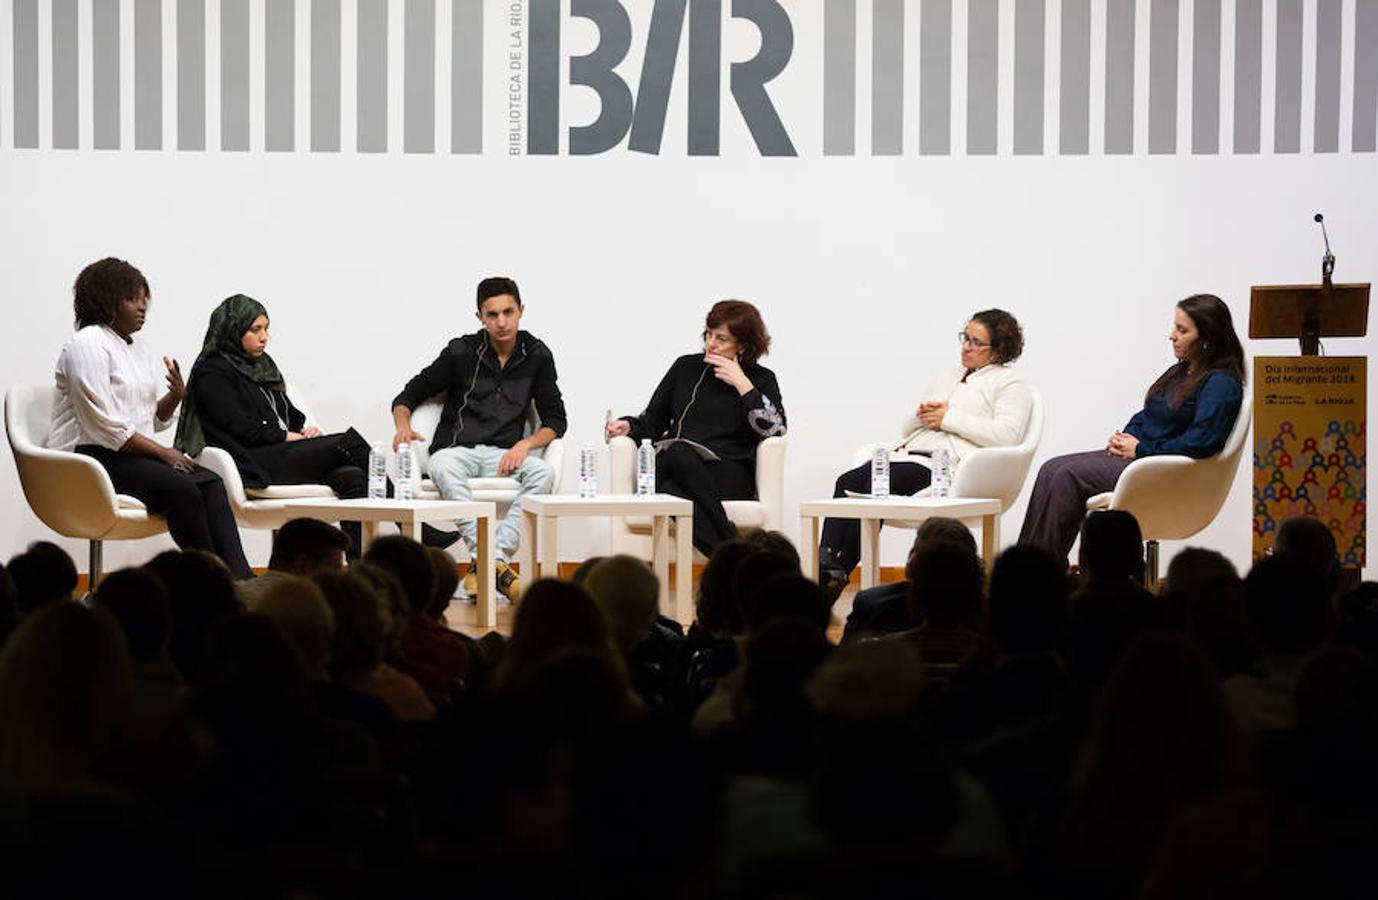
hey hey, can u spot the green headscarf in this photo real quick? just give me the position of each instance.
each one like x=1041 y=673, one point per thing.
x=224 y=338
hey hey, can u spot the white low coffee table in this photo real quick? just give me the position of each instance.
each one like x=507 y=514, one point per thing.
x=541 y=516
x=409 y=515
x=871 y=512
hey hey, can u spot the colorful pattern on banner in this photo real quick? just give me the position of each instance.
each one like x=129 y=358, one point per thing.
x=1310 y=441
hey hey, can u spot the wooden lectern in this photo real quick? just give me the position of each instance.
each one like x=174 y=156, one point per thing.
x=1310 y=414
x=1309 y=312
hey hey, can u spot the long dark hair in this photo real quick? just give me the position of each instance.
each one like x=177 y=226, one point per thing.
x=1220 y=350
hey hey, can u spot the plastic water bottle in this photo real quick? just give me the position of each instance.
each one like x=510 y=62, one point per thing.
x=880 y=471
x=588 y=471
x=403 y=491
x=645 y=468
x=377 y=472
x=942 y=473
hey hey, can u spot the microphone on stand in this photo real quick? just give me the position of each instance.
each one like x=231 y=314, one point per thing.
x=1327 y=261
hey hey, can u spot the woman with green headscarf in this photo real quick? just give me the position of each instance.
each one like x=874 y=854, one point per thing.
x=237 y=400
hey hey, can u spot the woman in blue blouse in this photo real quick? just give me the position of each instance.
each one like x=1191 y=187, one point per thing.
x=1189 y=411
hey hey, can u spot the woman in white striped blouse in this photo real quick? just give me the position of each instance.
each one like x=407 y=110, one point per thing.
x=108 y=406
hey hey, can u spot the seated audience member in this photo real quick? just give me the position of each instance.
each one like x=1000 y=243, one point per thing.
x=581 y=571
x=1027 y=611
x=482 y=652
x=945 y=587
x=1112 y=546
x=1111 y=607
x=870 y=679
x=885 y=607
x=1019 y=678
x=1161 y=743
x=66 y=696
x=435 y=656
x=237 y=400
x=276 y=751
x=628 y=593
x=43 y=574
x=783 y=593
x=1190 y=410
x=1288 y=606
x=1311 y=540
x=772 y=590
x=307 y=546
x=983 y=402
x=712 y=644
x=301 y=547
x=557 y=617
x=298 y=608
x=108 y=408
x=1106 y=615
x=404 y=694
x=770 y=717
x=139 y=603
x=783 y=645
x=356 y=652
x=446 y=582
x=201 y=592
x=1204 y=591
x=1194 y=569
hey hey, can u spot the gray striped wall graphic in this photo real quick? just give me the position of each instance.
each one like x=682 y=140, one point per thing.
x=921 y=77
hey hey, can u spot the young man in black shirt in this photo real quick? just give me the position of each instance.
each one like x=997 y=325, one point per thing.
x=489 y=379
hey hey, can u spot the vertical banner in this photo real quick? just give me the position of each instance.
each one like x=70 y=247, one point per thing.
x=1310 y=439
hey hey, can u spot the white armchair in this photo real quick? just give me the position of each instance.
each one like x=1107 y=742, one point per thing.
x=262 y=507
x=632 y=534
x=502 y=491
x=996 y=473
x=1173 y=496
x=70 y=493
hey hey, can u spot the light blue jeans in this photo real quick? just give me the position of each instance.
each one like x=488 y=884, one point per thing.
x=451 y=470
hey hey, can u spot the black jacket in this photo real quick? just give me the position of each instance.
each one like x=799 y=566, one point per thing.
x=691 y=402
x=239 y=415
x=494 y=400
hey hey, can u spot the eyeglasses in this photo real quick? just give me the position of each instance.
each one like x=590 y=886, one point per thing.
x=967 y=340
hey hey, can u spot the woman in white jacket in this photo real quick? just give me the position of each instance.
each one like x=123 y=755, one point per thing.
x=982 y=403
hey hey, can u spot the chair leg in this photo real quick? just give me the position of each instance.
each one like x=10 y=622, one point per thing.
x=94 y=568
x=1151 y=566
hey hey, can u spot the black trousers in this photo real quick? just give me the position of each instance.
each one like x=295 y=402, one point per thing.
x=840 y=545
x=194 y=503
x=1057 y=505
x=683 y=473
x=329 y=459
x=337 y=460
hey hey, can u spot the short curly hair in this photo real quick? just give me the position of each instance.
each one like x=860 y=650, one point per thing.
x=101 y=287
x=1006 y=337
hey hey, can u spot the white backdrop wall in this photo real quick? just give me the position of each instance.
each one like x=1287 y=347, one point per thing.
x=865 y=259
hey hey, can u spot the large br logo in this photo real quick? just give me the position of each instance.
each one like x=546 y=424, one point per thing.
x=643 y=115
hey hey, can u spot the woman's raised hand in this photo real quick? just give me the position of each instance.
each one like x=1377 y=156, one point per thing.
x=176 y=387
x=727 y=369
x=616 y=428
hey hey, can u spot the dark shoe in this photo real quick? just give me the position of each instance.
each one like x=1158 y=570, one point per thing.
x=833 y=580
x=434 y=537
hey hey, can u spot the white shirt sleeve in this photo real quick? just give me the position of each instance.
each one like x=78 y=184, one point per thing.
x=85 y=367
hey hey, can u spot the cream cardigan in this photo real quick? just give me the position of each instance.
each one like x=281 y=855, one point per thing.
x=990 y=407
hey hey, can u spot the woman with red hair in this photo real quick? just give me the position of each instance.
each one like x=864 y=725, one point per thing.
x=707 y=416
